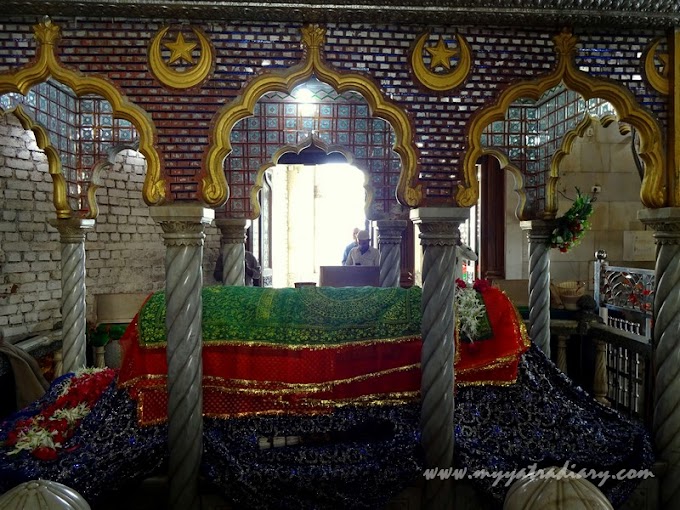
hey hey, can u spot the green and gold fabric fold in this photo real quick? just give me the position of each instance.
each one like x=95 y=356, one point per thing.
x=306 y=316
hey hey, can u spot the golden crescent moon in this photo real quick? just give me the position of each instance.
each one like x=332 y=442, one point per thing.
x=441 y=81
x=658 y=82
x=180 y=79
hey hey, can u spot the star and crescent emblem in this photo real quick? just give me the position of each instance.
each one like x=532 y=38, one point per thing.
x=658 y=79
x=181 y=50
x=440 y=75
x=180 y=71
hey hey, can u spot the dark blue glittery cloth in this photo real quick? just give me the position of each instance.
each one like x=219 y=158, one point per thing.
x=355 y=458
x=107 y=452
x=545 y=419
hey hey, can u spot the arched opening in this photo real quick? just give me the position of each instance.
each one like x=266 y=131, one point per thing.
x=314 y=210
x=311 y=102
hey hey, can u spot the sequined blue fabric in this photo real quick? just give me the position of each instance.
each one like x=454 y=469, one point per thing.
x=107 y=452
x=355 y=458
x=545 y=419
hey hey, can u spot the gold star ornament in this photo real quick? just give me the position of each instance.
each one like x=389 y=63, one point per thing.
x=441 y=54
x=180 y=49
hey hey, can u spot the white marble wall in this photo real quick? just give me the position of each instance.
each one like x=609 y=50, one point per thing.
x=602 y=157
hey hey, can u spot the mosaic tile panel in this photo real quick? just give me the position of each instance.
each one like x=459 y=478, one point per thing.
x=117 y=49
x=532 y=133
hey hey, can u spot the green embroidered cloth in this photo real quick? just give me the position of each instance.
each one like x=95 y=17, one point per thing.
x=305 y=316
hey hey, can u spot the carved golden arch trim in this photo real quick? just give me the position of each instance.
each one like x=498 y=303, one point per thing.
x=506 y=165
x=653 y=192
x=46 y=65
x=565 y=150
x=42 y=139
x=215 y=189
x=297 y=149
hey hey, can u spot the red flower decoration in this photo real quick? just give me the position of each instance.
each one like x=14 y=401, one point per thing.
x=44 y=453
x=481 y=285
x=460 y=284
x=85 y=389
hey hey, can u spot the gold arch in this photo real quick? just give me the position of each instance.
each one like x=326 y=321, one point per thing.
x=46 y=65
x=297 y=149
x=653 y=191
x=215 y=189
x=506 y=165
x=565 y=150
x=42 y=140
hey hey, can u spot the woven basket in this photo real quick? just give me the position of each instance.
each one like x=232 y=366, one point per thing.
x=571 y=289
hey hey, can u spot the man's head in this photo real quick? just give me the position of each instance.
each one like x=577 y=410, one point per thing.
x=355 y=232
x=364 y=240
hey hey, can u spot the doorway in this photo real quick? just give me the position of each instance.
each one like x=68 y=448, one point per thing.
x=314 y=210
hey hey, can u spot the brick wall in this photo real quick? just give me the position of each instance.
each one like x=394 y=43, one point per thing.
x=31 y=254
x=124 y=253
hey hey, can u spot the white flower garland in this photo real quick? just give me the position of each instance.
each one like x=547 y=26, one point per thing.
x=39 y=432
x=470 y=311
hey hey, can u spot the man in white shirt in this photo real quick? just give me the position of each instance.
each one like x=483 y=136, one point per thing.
x=364 y=254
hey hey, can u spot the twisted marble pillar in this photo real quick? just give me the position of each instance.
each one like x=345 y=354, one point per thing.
x=666 y=348
x=438 y=236
x=72 y=233
x=233 y=250
x=538 y=233
x=389 y=244
x=183 y=232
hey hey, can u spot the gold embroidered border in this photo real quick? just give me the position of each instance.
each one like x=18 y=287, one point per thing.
x=311 y=347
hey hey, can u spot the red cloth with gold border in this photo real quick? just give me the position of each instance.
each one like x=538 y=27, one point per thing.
x=250 y=378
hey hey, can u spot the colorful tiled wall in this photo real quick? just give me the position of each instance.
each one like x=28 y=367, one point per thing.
x=337 y=120
x=533 y=131
x=117 y=49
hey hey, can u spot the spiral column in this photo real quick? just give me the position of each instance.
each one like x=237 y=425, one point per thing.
x=233 y=250
x=666 y=348
x=183 y=232
x=72 y=233
x=538 y=233
x=438 y=236
x=389 y=244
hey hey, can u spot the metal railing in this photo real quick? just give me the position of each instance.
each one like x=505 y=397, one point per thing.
x=623 y=372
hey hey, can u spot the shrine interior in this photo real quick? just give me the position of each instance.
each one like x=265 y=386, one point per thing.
x=182 y=184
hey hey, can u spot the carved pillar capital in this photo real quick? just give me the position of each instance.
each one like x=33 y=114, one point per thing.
x=439 y=225
x=389 y=231
x=538 y=230
x=183 y=225
x=72 y=230
x=665 y=222
x=233 y=230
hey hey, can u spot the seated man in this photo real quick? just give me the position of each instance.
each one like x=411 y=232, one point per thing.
x=350 y=246
x=364 y=254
